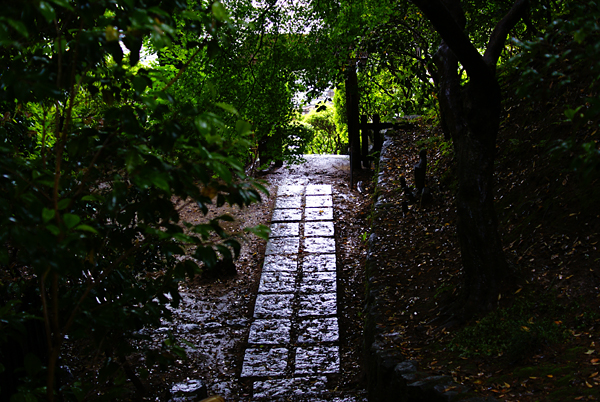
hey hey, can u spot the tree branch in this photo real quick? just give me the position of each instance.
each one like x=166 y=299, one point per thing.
x=498 y=37
x=454 y=36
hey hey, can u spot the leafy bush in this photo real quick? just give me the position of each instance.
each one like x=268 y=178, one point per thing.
x=327 y=138
x=96 y=157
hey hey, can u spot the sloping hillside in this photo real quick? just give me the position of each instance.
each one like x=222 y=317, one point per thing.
x=542 y=343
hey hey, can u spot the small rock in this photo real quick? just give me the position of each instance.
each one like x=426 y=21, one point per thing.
x=190 y=390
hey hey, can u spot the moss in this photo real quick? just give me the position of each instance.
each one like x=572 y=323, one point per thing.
x=565 y=381
x=574 y=353
x=526 y=372
x=515 y=331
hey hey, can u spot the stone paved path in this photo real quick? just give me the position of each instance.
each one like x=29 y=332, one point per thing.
x=293 y=345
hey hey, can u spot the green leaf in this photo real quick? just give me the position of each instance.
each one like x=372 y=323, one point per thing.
x=579 y=36
x=570 y=113
x=92 y=197
x=48 y=214
x=161 y=182
x=71 y=220
x=243 y=128
x=53 y=229
x=33 y=364
x=219 y=11
x=261 y=231
x=228 y=108
x=140 y=83
x=129 y=3
x=222 y=171
x=182 y=237
x=226 y=218
x=19 y=27
x=62 y=204
x=62 y=3
x=86 y=228
x=133 y=160
x=3 y=260
x=47 y=11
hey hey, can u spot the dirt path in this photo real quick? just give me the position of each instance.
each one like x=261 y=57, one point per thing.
x=215 y=315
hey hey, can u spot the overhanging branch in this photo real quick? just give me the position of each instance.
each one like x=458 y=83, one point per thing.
x=498 y=37
x=454 y=36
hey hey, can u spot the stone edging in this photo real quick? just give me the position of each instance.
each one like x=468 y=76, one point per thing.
x=390 y=377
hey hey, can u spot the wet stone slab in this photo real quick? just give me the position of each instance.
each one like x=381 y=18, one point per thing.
x=319 y=201
x=283 y=245
x=287 y=263
x=273 y=306
x=270 y=332
x=288 y=202
x=290 y=190
x=320 y=304
x=318 y=189
x=264 y=362
x=287 y=215
x=318 y=263
x=318 y=214
x=317 y=360
x=277 y=282
x=285 y=229
x=321 y=229
x=289 y=387
x=318 y=282
x=318 y=330
x=319 y=245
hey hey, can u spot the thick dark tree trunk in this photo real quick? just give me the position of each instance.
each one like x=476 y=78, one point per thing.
x=483 y=259
x=470 y=116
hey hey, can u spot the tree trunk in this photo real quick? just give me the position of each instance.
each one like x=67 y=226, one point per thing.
x=470 y=115
x=484 y=262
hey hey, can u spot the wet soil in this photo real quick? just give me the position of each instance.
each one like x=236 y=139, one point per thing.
x=213 y=320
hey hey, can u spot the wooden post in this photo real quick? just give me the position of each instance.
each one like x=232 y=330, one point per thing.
x=353 y=118
x=377 y=142
x=365 y=142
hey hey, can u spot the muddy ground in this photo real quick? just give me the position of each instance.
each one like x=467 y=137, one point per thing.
x=215 y=314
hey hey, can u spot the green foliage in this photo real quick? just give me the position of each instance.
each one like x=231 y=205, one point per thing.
x=533 y=321
x=327 y=139
x=340 y=118
x=569 y=51
x=95 y=153
x=276 y=51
